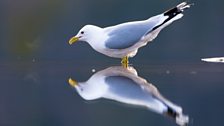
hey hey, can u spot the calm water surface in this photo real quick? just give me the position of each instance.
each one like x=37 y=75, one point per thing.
x=38 y=93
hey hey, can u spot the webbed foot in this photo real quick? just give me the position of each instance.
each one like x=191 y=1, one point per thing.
x=125 y=61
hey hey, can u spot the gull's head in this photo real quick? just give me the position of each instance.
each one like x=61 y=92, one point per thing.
x=86 y=90
x=85 y=34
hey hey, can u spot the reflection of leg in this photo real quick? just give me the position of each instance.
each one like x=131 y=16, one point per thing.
x=124 y=61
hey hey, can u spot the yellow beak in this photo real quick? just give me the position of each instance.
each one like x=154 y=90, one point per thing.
x=73 y=40
x=72 y=82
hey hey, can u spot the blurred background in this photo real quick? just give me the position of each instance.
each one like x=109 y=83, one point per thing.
x=36 y=61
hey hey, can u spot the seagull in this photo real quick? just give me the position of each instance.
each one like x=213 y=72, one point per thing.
x=125 y=86
x=214 y=59
x=124 y=40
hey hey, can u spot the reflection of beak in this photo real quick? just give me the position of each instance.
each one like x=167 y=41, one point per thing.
x=72 y=82
x=73 y=40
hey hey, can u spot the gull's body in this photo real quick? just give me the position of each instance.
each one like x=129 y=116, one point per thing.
x=124 y=40
x=125 y=86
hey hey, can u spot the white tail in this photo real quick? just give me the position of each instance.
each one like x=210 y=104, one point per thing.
x=184 y=5
x=182 y=120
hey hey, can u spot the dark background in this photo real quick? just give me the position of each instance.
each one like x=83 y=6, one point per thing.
x=36 y=61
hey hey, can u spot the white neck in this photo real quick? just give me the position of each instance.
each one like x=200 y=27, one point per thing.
x=96 y=39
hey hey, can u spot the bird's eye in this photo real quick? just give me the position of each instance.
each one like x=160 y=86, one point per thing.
x=82 y=32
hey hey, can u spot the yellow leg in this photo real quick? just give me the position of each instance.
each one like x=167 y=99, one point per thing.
x=125 y=61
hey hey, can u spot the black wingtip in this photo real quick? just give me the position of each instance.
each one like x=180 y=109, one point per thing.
x=171 y=113
x=173 y=12
x=178 y=9
x=179 y=118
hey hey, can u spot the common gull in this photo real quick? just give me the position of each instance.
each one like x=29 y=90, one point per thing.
x=124 y=40
x=214 y=59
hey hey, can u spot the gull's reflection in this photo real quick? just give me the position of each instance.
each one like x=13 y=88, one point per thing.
x=125 y=86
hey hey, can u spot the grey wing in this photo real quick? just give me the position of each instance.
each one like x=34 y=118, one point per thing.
x=126 y=35
x=127 y=88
